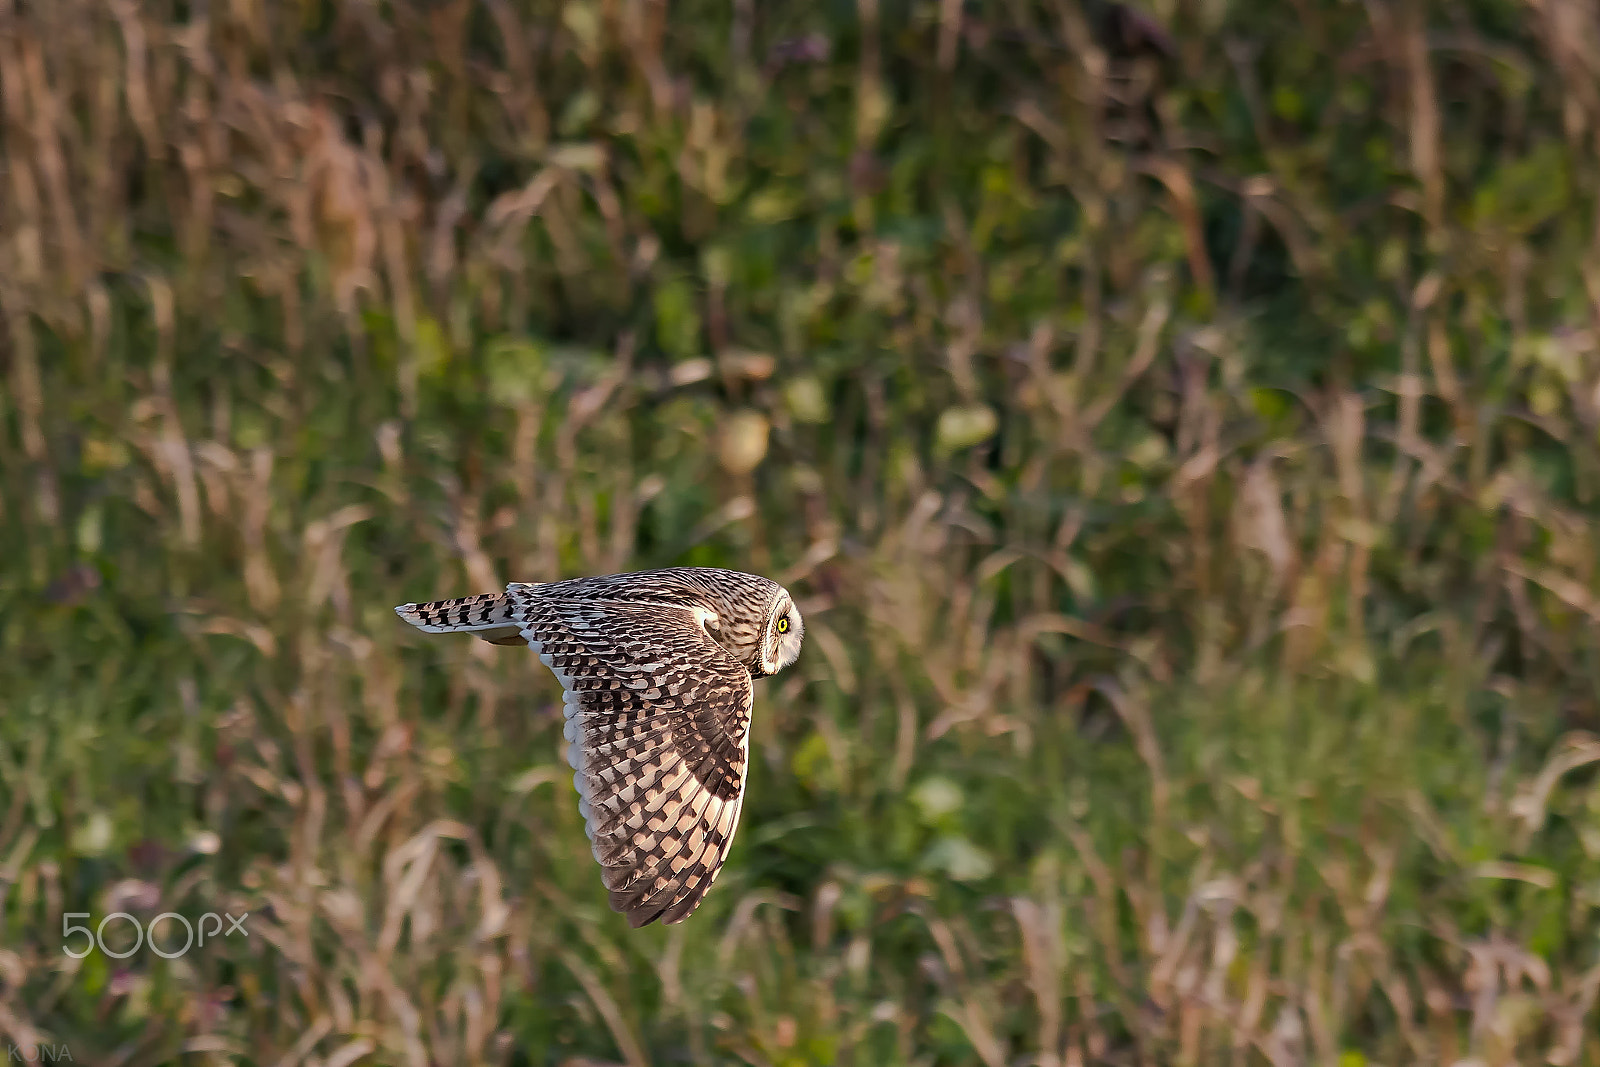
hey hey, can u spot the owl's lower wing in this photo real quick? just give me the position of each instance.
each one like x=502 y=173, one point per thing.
x=658 y=717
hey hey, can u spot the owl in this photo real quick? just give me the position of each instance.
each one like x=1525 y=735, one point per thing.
x=657 y=668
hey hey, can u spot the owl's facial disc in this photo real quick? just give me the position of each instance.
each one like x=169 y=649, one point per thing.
x=781 y=643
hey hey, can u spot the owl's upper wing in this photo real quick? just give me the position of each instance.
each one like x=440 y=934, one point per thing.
x=658 y=717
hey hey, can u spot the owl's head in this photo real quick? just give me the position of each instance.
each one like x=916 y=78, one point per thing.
x=780 y=637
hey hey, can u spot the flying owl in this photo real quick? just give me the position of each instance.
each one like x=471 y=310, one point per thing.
x=657 y=669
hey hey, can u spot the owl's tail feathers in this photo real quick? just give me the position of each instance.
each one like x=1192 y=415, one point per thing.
x=488 y=615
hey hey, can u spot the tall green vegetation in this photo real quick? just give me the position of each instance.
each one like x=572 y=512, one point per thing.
x=1181 y=426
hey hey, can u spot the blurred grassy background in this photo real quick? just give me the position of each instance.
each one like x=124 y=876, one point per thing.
x=1181 y=425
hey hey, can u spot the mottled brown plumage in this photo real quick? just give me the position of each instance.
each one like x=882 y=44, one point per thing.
x=656 y=668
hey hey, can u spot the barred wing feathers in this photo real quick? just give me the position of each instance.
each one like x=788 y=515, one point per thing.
x=658 y=717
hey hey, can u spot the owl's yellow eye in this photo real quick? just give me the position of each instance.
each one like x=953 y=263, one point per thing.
x=783 y=625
